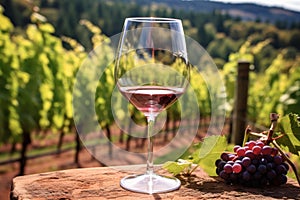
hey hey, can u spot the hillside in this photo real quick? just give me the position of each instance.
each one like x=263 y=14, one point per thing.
x=245 y=11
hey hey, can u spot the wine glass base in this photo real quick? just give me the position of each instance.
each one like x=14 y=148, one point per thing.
x=150 y=183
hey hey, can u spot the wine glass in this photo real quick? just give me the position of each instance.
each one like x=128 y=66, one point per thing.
x=152 y=72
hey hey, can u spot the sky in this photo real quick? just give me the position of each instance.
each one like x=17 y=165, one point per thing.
x=287 y=4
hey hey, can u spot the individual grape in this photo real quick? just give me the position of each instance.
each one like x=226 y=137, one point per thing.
x=233 y=177
x=236 y=147
x=283 y=179
x=230 y=162
x=280 y=169
x=269 y=166
x=251 y=144
x=221 y=164
x=246 y=176
x=266 y=150
x=263 y=161
x=247 y=148
x=262 y=168
x=228 y=168
x=237 y=168
x=232 y=157
x=277 y=160
x=274 y=151
x=251 y=168
x=241 y=151
x=224 y=175
x=249 y=154
x=225 y=156
x=279 y=180
x=269 y=158
x=239 y=162
x=255 y=162
x=271 y=174
x=287 y=167
x=260 y=143
x=257 y=175
x=256 y=150
x=218 y=171
x=217 y=162
x=246 y=161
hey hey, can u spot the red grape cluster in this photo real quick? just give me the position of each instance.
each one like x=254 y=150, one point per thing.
x=255 y=165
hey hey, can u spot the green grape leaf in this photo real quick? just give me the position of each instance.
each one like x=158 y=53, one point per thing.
x=208 y=151
x=203 y=154
x=176 y=167
x=290 y=126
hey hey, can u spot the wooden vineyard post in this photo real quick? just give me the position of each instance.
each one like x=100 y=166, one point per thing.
x=240 y=103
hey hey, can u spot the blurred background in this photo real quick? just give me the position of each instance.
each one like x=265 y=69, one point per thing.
x=43 y=43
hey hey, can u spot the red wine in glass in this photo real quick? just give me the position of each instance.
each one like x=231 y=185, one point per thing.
x=151 y=100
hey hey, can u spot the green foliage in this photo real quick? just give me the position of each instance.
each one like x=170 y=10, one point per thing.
x=6 y=25
x=208 y=151
x=203 y=154
x=289 y=125
x=275 y=90
x=36 y=76
x=9 y=83
x=272 y=90
x=182 y=166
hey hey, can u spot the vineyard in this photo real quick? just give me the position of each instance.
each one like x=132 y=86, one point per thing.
x=38 y=72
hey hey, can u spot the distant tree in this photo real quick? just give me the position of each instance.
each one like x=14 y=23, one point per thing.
x=265 y=58
x=10 y=10
x=220 y=47
x=258 y=20
x=271 y=32
x=295 y=39
x=295 y=25
x=280 y=24
x=44 y=3
x=218 y=19
x=290 y=54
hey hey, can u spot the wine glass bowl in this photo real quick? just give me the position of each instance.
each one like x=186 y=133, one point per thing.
x=152 y=72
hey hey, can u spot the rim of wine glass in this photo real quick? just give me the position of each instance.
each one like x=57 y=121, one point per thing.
x=153 y=19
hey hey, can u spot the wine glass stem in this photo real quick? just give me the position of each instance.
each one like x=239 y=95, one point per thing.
x=151 y=120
